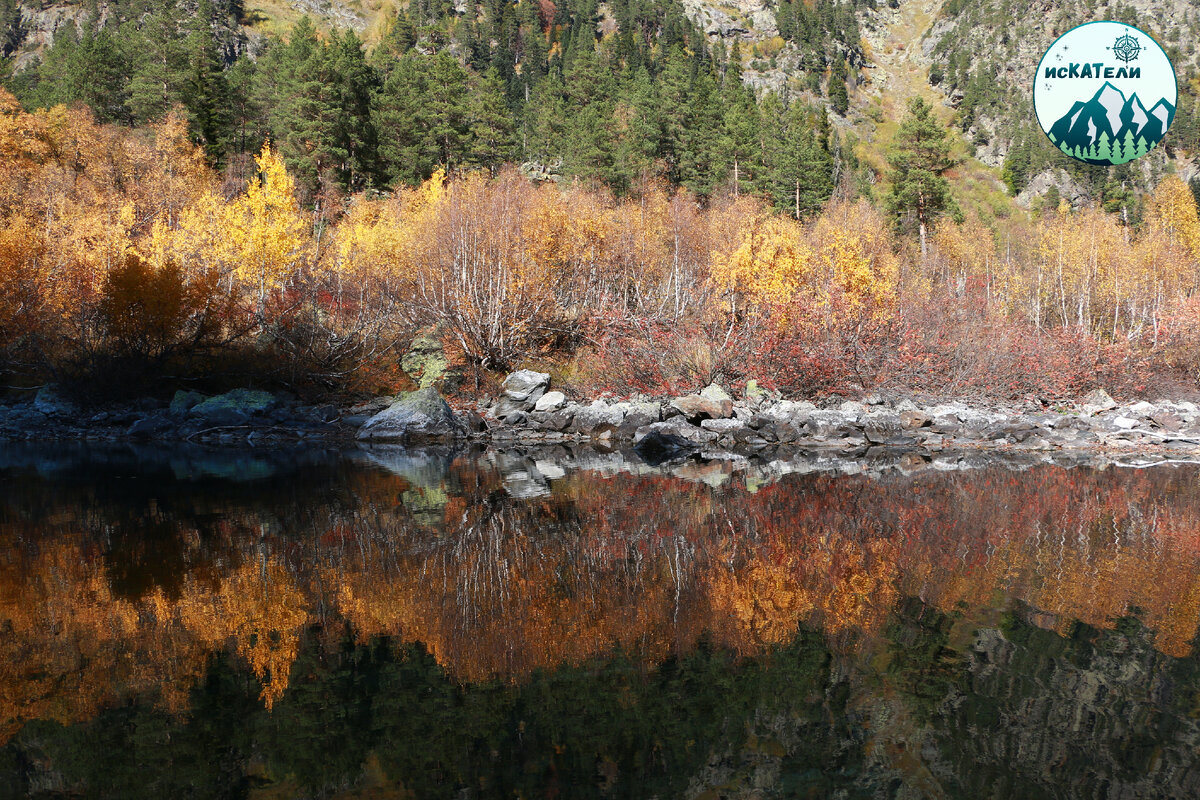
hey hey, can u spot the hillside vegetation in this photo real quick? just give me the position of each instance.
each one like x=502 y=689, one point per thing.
x=599 y=189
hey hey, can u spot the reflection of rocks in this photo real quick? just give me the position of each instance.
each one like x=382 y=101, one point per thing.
x=529 y=471
x=1068 y=711
x=177 y=461
x=425 y=469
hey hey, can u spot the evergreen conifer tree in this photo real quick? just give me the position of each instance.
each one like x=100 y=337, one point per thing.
x=920 y=155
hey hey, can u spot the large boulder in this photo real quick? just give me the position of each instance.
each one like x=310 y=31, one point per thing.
x=715 y=393
x=597 y=419
x=697 y=407
x=234 y=408
x=419 y=416
x=152 y=425
x=51 y=402
x=526 y=386
x=637 y=415
x=1098 y=400
x=551 y=401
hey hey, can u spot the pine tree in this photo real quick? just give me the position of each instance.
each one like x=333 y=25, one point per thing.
x=206 y=94
x=423 y=116
x=159 y=78
x=701 y=167
x=919 y=157
x=739 y=134
x=636 y=124
x=839 y=97
x=490 y=124
x=800 y=172
x=352 y=84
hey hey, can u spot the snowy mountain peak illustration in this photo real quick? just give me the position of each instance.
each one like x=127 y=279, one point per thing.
x=1110 y=128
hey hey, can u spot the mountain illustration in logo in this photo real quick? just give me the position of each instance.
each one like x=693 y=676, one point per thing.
x=1110 y=129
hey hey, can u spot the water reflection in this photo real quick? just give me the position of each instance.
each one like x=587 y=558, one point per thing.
x=311 y=622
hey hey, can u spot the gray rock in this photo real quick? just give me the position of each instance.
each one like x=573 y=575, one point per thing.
x=637 y=415
x=722 y=426
x=505 y=406
x=551 y=401
x=1098 y=400
x=225 y=418
x=1142 y=409
x=474 y=422
x=559 y=420
x=886 y=429
x=852 y=408
x=715 y=393
x=514 y=416
x=1125 y=423
x=1167 y=420
x=326 y=413
x=696 y=408
x=526 y=386
x=152 y=425
x=597 y=419
x=417 y=416
x=825 y=425
x=915 y=419
x=370 y=408
x=50 y=401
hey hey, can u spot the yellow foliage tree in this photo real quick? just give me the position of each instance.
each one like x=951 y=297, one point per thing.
x=768 y=268
x=1172 y=210
x=267 y=228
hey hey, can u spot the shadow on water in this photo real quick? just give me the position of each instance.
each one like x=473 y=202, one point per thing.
x=186 y=622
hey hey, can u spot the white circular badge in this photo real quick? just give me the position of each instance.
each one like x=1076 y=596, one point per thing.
x=1105 y=93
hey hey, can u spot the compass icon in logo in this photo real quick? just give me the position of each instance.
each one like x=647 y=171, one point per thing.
x=1126 y=48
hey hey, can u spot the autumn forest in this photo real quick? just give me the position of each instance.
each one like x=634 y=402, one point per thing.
x=150 y=242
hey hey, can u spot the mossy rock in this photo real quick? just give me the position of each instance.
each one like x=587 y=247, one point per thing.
x=426 y=363
x=245 y=401
x=185 y=401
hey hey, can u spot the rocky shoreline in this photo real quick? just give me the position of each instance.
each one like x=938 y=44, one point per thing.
x=709 y=424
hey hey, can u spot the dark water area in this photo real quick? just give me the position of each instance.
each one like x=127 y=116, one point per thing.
x=182 y=622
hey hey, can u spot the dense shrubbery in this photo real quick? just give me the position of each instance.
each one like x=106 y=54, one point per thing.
x=126 y=266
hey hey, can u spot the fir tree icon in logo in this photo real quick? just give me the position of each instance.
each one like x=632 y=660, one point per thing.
x=1126 y=48
x=1110 y=128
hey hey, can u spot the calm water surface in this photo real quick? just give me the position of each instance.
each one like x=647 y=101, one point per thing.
x=189 y=623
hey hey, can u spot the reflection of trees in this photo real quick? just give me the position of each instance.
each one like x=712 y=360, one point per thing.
x=493 y=587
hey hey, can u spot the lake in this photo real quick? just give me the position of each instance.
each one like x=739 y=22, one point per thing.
x=182 y=622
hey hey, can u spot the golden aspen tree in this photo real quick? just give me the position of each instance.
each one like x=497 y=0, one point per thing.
x=267 y=228
x=769 y=266
x=1172 y=210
